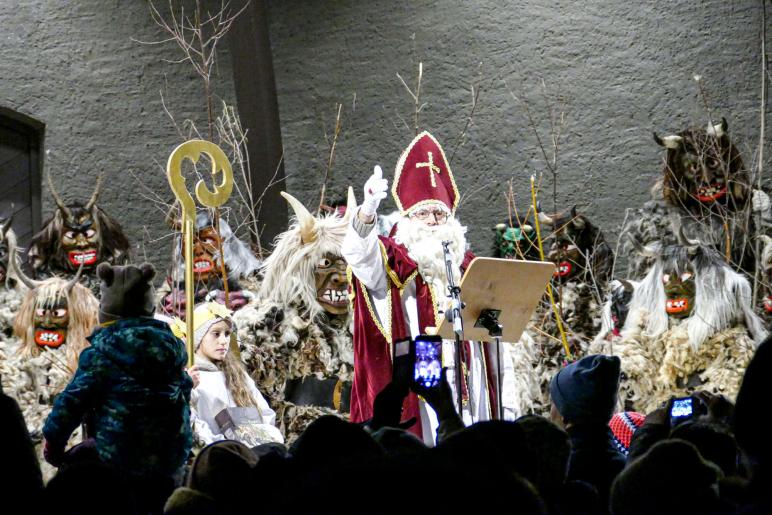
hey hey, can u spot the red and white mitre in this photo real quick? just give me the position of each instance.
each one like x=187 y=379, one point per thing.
x=423 y=176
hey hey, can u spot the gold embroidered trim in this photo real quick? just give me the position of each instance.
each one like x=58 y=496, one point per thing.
x=389 y=272
x=381 y=327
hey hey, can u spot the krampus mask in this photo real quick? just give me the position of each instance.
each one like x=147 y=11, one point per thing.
x=691 y=282
x=306 y=267
x=55 y=312
x=516 y=241
x=577 y=248
x=77 y=234
x=703 y=169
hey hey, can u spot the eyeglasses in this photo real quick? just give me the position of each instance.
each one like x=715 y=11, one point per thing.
x=438 y=214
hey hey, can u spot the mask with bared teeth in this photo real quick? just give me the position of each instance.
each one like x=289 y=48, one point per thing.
x=703 y=169
x=77 y=234
x=680 y=290
x=332 y=284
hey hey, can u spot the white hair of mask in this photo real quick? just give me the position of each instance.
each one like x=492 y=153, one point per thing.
x=424 y=244
x=290 y=270
x=722 y=299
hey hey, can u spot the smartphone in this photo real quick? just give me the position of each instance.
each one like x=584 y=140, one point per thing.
x=403 y=359
x=428 y=361
x=682 y=409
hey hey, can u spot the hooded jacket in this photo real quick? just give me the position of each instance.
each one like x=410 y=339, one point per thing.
x=133 y=384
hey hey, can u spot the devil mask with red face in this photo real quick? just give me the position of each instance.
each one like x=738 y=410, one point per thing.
x=703 y=169
x=577 y=248
x=77 y=234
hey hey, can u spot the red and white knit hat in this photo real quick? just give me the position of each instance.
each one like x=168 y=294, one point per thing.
x=423 y=176
x=623 y=425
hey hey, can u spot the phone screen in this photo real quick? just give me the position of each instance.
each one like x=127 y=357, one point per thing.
x=682 y=408
x=428 y=362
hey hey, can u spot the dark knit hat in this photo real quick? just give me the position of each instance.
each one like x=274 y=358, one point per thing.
x=586 y=390
x=126 y=291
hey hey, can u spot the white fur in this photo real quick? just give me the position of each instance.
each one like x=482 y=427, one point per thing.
x=424 y=243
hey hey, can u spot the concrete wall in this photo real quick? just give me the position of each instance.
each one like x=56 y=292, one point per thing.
x=73 y=66
x=621 y=70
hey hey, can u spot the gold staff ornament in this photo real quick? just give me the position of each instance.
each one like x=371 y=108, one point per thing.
x=192 y=150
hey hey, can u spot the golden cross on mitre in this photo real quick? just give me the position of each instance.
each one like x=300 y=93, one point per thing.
x=433 y=168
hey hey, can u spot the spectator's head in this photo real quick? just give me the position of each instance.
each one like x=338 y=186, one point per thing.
x=753 y=435
x=550 y=446
x=223 y=471
x=398 y=442
x=586 y=390
x=670 y=478
x=329 y=439
x=126 y=291
x=65 y=493
x=714 y=442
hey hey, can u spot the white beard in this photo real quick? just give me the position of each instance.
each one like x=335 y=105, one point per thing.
x=424 y=245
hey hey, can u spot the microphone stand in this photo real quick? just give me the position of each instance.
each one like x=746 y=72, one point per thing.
x=454 y=315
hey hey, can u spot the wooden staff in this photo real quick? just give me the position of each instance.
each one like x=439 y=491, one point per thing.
x=192 y=150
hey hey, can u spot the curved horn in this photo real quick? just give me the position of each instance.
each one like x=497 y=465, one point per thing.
x=543 y=218
x=62 y=207
x=691 y=245
x=95 y=195
x=718 y=130
x=72 y=282
x=15 y=270
x=351 y=204
x=642 y=249
x=683 y=240
x=306 y=220
x=672 y=142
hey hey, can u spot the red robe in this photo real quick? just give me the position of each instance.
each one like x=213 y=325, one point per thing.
x=373 y=340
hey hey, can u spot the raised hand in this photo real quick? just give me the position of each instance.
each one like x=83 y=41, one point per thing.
x=376 y=189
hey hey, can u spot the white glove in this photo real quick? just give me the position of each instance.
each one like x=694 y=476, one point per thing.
x=375 y=191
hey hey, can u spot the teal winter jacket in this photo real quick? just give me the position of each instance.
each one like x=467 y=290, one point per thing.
x=133 y=384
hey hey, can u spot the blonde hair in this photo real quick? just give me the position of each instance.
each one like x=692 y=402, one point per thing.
x=83 y=309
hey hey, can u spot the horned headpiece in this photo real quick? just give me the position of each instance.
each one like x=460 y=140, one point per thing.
x=703 y=169
x=577 y=248
x=692 y=282
x=55 y=313
x=305 y=265
x=77 y=234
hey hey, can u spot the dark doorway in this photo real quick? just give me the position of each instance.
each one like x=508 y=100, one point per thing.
x=20 y=146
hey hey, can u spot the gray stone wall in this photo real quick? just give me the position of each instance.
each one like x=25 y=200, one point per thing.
x=74 y=66
x=620 y=69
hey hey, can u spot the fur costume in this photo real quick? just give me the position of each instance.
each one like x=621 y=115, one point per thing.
x=241 y=267
x=667 y=350
x=705 y=190
x=766 y=280
x=583 y=262
x=10 y=294
x=288 y=335
x=33 y=374
x=77 y=234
